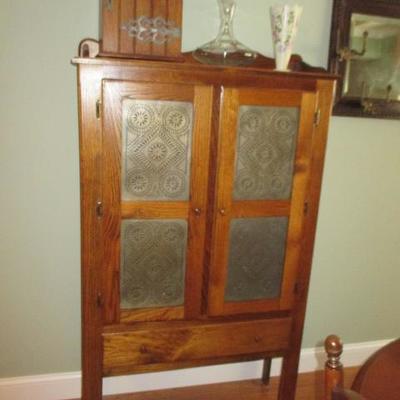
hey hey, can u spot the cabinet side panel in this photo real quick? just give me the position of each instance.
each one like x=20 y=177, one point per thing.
x=291 y=360
x=91 y=232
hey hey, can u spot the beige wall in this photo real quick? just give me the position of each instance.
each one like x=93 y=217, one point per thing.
x=356 y=272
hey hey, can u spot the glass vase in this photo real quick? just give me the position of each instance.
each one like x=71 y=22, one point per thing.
x=225 y=49
x=284 y=24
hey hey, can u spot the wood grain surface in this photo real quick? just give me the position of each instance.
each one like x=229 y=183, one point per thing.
x=248 y=330
x=179 y=344
x=117 y=42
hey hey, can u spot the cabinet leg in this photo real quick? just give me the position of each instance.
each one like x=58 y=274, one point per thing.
x=266 y=374
x=92 y=372
x=92 y=385
x=288 y=379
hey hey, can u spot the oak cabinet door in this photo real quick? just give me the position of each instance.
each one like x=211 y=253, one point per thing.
x=264 y=160
x=156 y=140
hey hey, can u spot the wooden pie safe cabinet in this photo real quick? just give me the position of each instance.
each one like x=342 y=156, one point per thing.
x=199 y=196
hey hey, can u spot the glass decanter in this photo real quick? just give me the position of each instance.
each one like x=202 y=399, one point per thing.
x=225 y=49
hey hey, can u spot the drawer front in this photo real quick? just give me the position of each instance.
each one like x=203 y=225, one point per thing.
x=126 y=351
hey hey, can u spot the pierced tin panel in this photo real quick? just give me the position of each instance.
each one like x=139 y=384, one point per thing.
x=153 y=263
x=156 y=152
x=266 y=147
x=256 y=258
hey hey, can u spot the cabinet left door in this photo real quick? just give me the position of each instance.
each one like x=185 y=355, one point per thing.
x=156 y=149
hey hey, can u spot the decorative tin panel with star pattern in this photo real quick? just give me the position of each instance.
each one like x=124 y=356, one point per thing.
x=266 y=147
x=153 y=263
x=156 y=149
x=256 y=258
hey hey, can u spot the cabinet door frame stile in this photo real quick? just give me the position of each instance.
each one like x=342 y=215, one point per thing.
x=203 y=106
x=223 y=201
x=112 y=126
x=302 y=170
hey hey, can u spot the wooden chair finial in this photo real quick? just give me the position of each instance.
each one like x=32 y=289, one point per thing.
x=334 y=349
x=333 y=366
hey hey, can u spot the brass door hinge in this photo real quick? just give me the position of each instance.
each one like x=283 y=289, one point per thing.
x=99 y=300
x=99 y=209
x=317 y=117
x=98 y=109
x=305 y=208
x=296 y=288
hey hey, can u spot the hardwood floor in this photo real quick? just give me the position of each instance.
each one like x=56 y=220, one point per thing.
x=310 y=387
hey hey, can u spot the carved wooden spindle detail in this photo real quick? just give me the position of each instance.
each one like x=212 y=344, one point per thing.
x=333 y=366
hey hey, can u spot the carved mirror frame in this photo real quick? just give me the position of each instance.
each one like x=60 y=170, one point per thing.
x=340 y=43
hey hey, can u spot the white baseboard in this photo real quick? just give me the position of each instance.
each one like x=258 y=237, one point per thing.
x=68 y=385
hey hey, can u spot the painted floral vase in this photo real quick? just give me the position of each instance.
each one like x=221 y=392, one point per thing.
x=284 y=24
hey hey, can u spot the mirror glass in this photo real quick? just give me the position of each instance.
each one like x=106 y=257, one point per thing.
x=373 y=67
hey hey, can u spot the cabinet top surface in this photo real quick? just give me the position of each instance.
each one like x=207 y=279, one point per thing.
x=263 y=66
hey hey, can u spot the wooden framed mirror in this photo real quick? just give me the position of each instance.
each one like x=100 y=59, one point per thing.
x=365 y=53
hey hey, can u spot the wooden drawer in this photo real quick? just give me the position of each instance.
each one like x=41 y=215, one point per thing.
x=124 y=352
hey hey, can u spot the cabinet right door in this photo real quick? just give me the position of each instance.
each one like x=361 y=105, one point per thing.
x=264 y=157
